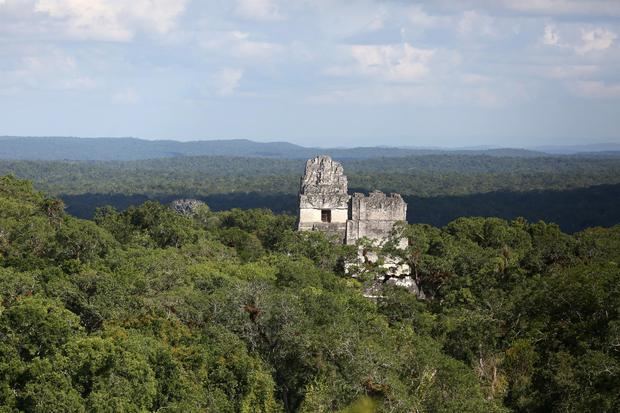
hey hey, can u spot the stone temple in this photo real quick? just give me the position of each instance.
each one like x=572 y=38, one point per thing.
x=325 y=205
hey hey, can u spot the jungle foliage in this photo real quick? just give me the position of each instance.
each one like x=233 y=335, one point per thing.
x=423 y=175
x=234 y=311
x=575 y=192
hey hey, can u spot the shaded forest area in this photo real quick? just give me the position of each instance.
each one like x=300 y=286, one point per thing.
x=573 y=210
x=573 y=191
x=235 y=311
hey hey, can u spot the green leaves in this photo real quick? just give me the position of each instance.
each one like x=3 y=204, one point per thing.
x=146 y=310
x=36 y=327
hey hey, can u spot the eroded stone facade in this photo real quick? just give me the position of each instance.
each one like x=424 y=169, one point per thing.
x=374 y=216
x=186 y=206
x=325 y=205
x=323 y=197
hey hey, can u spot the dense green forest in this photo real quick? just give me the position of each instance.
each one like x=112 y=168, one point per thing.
x=234 y=311
x=573 y=210
x=429 y=175
x=573 y=191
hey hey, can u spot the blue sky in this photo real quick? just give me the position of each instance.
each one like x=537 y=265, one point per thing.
x=314 y=72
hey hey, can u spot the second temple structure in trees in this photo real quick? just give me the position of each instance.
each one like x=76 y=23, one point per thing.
x=325 y=205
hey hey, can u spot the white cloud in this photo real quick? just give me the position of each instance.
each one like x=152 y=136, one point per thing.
x=474 y=22
x=79 y=83
x=379 y=95
x=265 y=10
x=581 y=41
x=394 y=63
x=474 y=79
x=358 y=38
x=45 y=69
x=427 y=94
x=596 y=89
x=378 y=21
x=571 y=71
x=340 y=20
x=565 y=7
x=551 y=37
x=595 y=40
x=484 y=97
x=240 y=45
x=246 y=48
x=422 y=20
x=127 y=96
x=112 y=20
x=227 y=81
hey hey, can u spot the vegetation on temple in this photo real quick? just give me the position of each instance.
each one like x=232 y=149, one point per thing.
x=234 y=311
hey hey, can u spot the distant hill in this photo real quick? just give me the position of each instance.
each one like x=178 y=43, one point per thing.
x=610 y=148
x=438 y=187
x=128 y=149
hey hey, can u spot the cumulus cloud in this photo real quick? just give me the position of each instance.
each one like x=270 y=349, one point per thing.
x=378 y=21
x=565 y=7
x=112 y=20
x=393 y=63
x=424 y=94
x=240 y=45
x=227 y=81
x=379 y=94
x=472 y=21
x=421 y=19
x=128 y=96
x=551 y=37
x=474 y=79
x=419 y=52
x=571 y=71
x=265 y=10
x=581 y=41
x=595 y=40
x=46 y=69
x=79 y=83
x=597 y=89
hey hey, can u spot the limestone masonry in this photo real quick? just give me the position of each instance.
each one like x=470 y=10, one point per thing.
x=325 y=205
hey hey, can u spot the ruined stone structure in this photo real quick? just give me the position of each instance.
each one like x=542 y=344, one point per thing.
x=323 y=197
x=186 y=207
x=325 y=205
x=374 y=216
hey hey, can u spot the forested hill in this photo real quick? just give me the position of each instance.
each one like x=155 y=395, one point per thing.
x=147 y=310
x=575 y=192
x=426 y=176
x=122 y=149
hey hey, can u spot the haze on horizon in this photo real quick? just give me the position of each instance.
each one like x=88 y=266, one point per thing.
x=517 y=73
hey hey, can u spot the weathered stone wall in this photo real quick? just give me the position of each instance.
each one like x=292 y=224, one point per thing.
x=324 y=201
x=186 y=206
x=324 y=187
x=323 y=196
x=336 y=230
x=307 y=215
x=374 y=216
x=374 y=230
x=324 y=176
x=378 y=206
